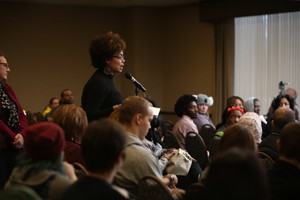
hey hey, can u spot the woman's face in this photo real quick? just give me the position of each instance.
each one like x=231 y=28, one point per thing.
x=202 y=108
x=116 y=63
x=233 y=117
x=54 y=103
x=4 y=69
x=238 y=102
x=257 y=107
x=284 y=103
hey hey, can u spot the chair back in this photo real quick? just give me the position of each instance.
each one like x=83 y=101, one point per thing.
x=151 y=188
x=170 y=140
x=169 y=125
x=207 y=133
x=80 y=170
x=19 y=192
x=196 y=147
x=267 y=160
x=213 y=147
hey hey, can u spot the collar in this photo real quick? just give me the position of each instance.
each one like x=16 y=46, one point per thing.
x=108 y=73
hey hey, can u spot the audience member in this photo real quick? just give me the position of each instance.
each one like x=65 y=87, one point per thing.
x=136 y=114
x=253 y=105
x=293 y=94
x=282 y=116
x=235 y=136
x=203 y=102
x=72 y=119
x=164 y=156
x=231 y=101
x=66 y=97
x=33 y=118
x=235 y=101
x=41 y=167
x=233 y=175
x=238 y=136
x=100 y=96
x=282 y=100
x=252 y=121
x=186 y=109
x=284 y=177
x=52 y=104
x=13 y=123
x=231 y=116
x=103 y=149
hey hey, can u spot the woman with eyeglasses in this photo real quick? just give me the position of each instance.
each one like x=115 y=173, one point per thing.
x=100 y=97
x=12 y=124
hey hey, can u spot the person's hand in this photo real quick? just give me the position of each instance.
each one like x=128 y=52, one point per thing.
x=173 y=180
x=117 y=106
x=168 y=154
x=70 y=171
x=18 y=141
x=178 y=193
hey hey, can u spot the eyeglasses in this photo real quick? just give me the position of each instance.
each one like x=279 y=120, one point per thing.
x=119 y=57
x=5 y=65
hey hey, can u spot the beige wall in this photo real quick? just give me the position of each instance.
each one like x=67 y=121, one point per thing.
x=168 y=50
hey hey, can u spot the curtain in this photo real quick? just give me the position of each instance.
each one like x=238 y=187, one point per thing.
x=224 y=66
x=267 y=51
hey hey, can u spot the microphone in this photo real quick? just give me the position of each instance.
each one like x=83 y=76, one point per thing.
x=135 y=82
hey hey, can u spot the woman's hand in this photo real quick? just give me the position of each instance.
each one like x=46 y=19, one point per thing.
x=18 y=141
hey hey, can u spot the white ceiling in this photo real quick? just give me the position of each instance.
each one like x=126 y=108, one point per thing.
x=111 y=3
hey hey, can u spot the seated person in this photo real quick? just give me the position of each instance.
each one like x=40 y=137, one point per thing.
x=253 y=105
x=252 y=121
x=186 y=109
x=164 y=156
x=73 y=120
x=53 y=102
x=42 y=168
x=232 y=116
x=282 y=116
x=135 y=114
x=203 y=102
x=284 y=176
x=235 y=136
x=234 y=175
x=231 y=101
x=103 y=149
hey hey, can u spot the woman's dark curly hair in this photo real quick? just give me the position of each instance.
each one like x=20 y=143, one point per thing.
x=276 y=101
x=103 y=47
x=183 y=103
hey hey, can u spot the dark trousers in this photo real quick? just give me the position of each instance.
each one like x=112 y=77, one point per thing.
x=191 y=177
x=7 y=163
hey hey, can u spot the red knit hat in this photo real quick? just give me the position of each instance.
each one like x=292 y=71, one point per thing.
x=44 y=140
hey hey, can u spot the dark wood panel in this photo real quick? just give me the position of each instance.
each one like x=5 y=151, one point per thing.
x=214 y=10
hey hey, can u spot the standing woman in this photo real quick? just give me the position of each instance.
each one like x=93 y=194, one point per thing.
x=100 y=96
x=12 y=124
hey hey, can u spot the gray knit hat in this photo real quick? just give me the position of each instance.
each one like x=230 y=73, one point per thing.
x=204 y=99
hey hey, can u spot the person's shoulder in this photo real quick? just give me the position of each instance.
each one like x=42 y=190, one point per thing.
x=8 y=87
x=91 y=188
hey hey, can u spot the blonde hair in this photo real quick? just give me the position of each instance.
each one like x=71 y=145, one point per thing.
x=131 y=106
x=73 y=121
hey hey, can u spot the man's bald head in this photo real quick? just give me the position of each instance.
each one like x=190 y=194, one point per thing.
x=283 y=116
